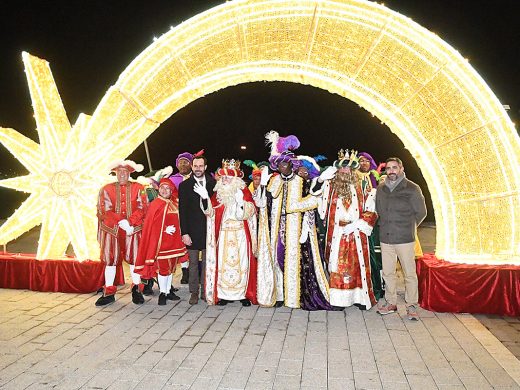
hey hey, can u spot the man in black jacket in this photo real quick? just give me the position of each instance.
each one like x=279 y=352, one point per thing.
x=401 y=208
x=193 y=223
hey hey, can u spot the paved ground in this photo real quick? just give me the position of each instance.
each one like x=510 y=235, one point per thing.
x=505 y=329
x=62 y=341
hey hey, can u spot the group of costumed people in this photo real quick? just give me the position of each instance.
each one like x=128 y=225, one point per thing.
x=299 y=235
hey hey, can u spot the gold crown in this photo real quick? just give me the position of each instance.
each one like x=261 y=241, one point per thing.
x=341 y=154
x=231 y=164
x=352 y=158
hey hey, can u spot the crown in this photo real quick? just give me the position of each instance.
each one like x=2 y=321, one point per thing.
x=231 y=164
x=347 y=159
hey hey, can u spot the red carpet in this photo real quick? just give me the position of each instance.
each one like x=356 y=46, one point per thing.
x=468 y=288
x=443 y=286
x=23 y=271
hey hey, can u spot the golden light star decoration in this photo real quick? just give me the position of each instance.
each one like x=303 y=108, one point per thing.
x=63 y=188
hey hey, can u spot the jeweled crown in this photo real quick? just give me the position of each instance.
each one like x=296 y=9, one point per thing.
x=231 y=164
x=347 y=158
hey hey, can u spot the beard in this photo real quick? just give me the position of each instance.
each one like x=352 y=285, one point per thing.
x=226 y=192
x=392 y=176
x=198 y=173
x=342 y=181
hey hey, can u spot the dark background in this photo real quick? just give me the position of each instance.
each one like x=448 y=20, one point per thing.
x=90 y=43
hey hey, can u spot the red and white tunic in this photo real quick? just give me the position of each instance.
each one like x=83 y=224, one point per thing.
x=349 y=223
x=160 y=250
x=115 y=203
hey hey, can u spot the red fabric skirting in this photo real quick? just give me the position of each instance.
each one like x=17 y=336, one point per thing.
x=23 y=271
x=468 y=288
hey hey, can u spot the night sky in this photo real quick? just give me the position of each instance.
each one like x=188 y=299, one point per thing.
x=90 y=43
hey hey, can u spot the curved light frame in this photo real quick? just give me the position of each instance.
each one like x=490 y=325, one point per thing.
x=419 y=86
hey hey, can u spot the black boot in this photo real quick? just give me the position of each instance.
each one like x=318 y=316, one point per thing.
x=222 y=302
x=105 y=300
x=137 y=296
x=278 y=304
x=148 y=287
x=162 y=299
x=172 y=296
x=245 y=302
x=185 y=276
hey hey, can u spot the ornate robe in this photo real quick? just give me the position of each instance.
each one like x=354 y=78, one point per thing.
x=280 y=251
x=349 y=223
x=156 y=245
x=115 y=203
x=231 y=265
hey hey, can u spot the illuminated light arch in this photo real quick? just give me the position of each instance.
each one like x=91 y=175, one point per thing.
x=415 y=83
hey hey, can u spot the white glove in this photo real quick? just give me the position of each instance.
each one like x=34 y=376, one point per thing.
x=364 y=227
x=350 y=228
x=201 y=190
x=260 y=199
x=170 y=230
x=129 y=230
x=124 y=224
x=265 y=176
x=239 y=197
x=327 y=174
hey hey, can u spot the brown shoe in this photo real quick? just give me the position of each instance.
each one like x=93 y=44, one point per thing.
x=194 y=299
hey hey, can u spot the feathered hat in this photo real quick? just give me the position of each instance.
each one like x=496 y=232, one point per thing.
x=129 y=165
x=257 y=171
x=311 y=164
x=154 y=177
x=381 y=168
x=282 y=149
x=200 y=153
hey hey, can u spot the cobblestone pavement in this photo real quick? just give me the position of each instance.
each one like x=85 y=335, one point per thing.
x=62 y=341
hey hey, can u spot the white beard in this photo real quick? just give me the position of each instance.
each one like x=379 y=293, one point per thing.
x=226 y=192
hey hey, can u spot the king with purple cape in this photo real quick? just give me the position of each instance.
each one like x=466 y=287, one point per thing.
x=290 y=269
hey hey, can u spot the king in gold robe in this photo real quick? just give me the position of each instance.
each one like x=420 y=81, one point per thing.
x=231 y=269
x=282 y=240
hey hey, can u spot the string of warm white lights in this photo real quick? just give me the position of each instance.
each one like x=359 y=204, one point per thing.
x=414 y=82
x=63 y=192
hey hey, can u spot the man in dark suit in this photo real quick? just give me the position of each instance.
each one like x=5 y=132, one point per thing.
x=193 y=223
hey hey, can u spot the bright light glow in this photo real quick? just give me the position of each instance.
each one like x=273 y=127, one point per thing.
x=415 y=83
x=62 y=192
